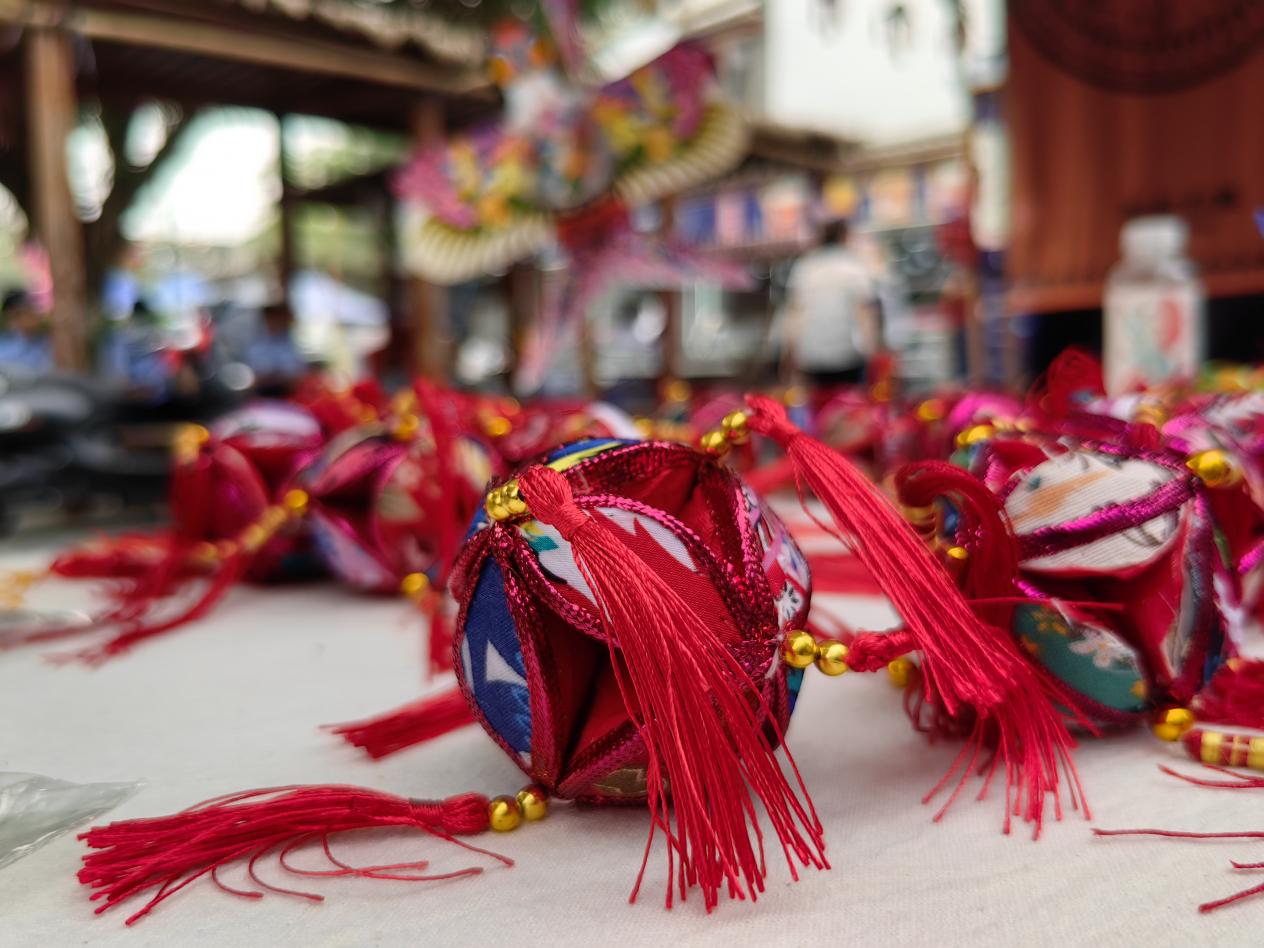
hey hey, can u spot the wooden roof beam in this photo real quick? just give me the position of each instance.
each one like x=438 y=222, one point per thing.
x=270 y=49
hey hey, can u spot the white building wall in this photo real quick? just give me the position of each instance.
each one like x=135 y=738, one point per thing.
x=880 y=72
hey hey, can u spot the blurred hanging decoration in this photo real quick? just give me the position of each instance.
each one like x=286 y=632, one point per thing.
x=569 y=162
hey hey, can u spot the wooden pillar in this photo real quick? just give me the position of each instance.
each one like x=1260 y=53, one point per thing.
x=51 y=110
x=521 y=293
x=672 y=358
x=392 y=356
x=427 y=303
x=285 y=264
x=587 y=355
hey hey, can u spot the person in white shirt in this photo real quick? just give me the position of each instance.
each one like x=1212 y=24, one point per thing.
x=831 y=321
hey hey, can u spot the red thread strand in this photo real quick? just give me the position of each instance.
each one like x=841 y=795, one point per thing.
x=1181 y=834
x=1229 y=900
x=1237 y=781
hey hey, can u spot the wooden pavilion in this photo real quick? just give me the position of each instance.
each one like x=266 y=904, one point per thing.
x=394 y=68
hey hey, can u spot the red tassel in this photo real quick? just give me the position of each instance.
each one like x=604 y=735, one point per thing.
x=695 y=708
x=438 y=632
x=414 y=723
x=137 y=630
x=1235 y=695
x=156 y=570
x=167 y=853
x=450 y=529
x=967 y=665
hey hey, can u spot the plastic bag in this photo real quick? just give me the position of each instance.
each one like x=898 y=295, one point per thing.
x=36 y=809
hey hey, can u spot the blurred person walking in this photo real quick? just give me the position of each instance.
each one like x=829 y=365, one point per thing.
x=830 y=322
x=24 y=342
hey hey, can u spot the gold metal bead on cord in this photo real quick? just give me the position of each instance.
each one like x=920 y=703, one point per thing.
x=505 y=502
x=506 y=813
x=801 y=649
x=734 y=429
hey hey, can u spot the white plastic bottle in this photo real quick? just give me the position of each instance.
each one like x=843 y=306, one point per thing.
x=1155 y=309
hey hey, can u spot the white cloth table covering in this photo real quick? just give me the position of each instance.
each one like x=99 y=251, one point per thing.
x=233 y=702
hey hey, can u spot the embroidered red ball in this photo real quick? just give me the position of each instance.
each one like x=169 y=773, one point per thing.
x=531 y=653
x=383 y=507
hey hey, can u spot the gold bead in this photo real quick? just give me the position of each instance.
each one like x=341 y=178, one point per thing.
x=958 y=553
x=715 y=443
x=367 y=413
x=295 y=502
x=677 y=390
x=414 y=585
x=253 y=537
x=1215 y=468
x=736 y=426
x=194 y=434
x=930 y=410
x=513 y=500
x=188 y=443
x=1170 y=724
x=504 y=814
x=272 y=518
x=533 y=802
x=831 y=657
x=799 y=649
x=900 y=671
x=922 y=518
x=206 y=552
x=497 y=427
x=495 y=505
x=404 y=402
x=795 y=396
x=975 y=434
x=406 y=428
x=226 y=549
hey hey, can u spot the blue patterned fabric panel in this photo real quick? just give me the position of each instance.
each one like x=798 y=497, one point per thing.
x=794 y=681
x=492 y=659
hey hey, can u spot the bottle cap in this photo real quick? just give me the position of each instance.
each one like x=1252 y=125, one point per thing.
x=1159 y=235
